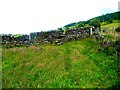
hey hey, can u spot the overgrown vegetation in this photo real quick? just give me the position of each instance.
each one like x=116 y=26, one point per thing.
x=76 y=64
x=117 y=29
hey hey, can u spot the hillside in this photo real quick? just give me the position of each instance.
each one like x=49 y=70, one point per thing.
x=110 y=26
x=106 y=19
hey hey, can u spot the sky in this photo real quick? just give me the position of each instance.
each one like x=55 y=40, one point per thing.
x=25 y=16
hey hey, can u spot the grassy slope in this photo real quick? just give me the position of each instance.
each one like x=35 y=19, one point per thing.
x=109 y=26
x=74 y=64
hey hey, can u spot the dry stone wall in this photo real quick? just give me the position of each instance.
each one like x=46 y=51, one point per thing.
x=56 y=37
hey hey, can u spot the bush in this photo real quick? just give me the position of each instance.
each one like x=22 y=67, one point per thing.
x=95 y=23
x=110 y=21
x=117 y=29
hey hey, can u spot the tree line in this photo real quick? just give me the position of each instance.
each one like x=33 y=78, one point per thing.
x=96 y=21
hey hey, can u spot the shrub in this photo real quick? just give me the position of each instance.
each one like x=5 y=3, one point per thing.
x=117 y=29
x=95 y=23
x=110 y=21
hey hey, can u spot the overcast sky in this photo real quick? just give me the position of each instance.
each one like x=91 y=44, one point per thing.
x=25 y=16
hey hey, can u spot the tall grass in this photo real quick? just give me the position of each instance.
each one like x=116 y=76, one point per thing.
x=76 y=64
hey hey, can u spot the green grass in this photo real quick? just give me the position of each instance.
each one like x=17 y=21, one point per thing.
x=110 y=26
x=109 y=30
x=76 y=64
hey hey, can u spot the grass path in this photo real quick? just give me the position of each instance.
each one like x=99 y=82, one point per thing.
x=75 y=64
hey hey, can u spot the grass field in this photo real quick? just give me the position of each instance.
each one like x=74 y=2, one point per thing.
x=110 y=26
x=76 y=64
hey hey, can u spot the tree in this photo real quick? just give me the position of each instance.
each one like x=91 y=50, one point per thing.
x=110 y=21
x=95 y=23
x=60 y=29
x=80 y=25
